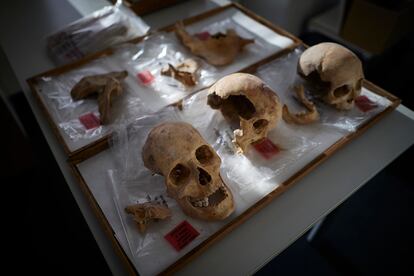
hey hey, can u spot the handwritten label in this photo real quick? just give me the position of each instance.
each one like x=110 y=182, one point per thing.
x=90 y=121
x=364 y=103
x=145 y=77
x=181 y=235
x=266 y=148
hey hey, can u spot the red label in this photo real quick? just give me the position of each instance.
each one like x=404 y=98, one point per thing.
x=145 y=77
x=266 y=148
x=181 y=235
x=364 y=104
x=203 y=35
x=89 y=121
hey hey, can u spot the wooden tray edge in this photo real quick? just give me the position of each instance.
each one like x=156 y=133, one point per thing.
x=102 y=220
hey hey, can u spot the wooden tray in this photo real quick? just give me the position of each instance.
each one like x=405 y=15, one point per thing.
x=264 y=201
x=102 y=143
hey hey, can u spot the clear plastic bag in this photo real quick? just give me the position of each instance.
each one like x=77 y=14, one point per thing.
x=266 y=41
x=249 y=176
x=68 y=114
x=104 y=28
x=133 y=183
x=245 y=168
x=145 y=61
x=281 y=75
x=145 y=89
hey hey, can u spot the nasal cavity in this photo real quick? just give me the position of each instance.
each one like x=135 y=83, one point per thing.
x=203 y=177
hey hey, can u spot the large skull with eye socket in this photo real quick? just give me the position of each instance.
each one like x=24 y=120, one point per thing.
x=333 y=73
x=191 y=169
x=248 y=104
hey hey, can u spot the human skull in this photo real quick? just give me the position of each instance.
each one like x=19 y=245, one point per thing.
x=248 y=104
x=333 y=73
x=191 y=169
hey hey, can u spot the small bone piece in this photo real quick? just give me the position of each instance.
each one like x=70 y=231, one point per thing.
x=144 y=213
x=191 y=169
x=184 y=72
x=219 y=49
x=248 y=104
x=107 y=86
x=301 y=118
x=332 y=73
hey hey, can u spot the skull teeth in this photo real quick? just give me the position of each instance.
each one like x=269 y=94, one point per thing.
x=201 y=203
x=204 y=202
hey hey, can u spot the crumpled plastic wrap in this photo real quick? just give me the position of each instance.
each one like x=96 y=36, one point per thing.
x=145 y=89
x=55 y=92
x=250 y=176
x=145 y=61
x=104 y=28
x=281 y=75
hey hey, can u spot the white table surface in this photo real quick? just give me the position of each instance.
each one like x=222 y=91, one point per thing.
x=25 y=24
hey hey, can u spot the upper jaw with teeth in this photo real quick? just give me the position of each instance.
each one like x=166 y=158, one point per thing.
x=204 y=202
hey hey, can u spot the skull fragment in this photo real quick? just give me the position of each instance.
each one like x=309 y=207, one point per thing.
x=144 y=213
x=191 y=169
x=332 y=73
x=219 y=49
x=248 y=104
x=106 y=86
x=184 y=72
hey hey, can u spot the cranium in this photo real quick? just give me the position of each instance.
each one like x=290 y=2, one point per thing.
x=191 y=169
x=144 y=213
x=333 y=73
x=247 y=103
x=219 y=49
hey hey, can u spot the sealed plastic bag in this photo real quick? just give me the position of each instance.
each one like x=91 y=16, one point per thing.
x=281 y=75
x=249 y=176
x=79 y=120
x=102 y=29
x=146 y=61
x=266 y=41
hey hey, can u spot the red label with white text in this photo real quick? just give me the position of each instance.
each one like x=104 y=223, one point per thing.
x=266 y=148
x=181 y=235
x=145 y=77
x=364 y=103
x=90 y=121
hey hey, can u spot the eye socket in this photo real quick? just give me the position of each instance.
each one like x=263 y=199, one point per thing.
x=179 y=174
x=241 y=105
x=204 y=155
x=260 y=125
x=341 y=91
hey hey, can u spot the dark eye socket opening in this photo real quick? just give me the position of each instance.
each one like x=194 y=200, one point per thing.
x=260 y=125
x=204 y=155
x=179 y=174
x=315 y=83
x=341 y=91
x=241 y=105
